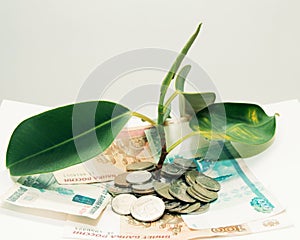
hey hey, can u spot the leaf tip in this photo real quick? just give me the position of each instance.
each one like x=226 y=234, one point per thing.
x=199 y=25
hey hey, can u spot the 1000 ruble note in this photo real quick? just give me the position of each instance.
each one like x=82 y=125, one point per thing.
x=242 y=198
x=43 y=192
x=113 y=226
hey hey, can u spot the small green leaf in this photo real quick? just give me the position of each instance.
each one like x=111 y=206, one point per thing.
x=195 y=102
x=191 y=103
x=167 y=113
x=64 y=136
x=170 y=75
x=180 y=79
x=236 y=122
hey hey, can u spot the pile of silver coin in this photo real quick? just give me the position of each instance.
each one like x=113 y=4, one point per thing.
x=147 y=193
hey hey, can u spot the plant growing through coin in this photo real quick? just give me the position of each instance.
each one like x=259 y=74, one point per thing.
x=66 y=136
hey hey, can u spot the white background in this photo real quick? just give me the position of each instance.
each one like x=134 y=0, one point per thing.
x=48 y=48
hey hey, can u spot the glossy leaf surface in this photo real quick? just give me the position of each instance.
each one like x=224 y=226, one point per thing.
x=181 y=77
x=64 y=136
x=194 y=102
x=191 y=103
x=236 y=122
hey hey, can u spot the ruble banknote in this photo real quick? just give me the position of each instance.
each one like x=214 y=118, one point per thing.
x=130 y=146
x=43 y=192
x=242 y=198
x=114 y=226
x=243 y=207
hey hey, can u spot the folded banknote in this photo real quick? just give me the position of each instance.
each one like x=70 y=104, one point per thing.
x=43 y=192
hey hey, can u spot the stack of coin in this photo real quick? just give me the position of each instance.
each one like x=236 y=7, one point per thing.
x=138 y=180
x=191 y=194
x=141 y=182
x=190 y=177
x=171 y=171
x=120 y=185
x=184 y=163
x=179 y=186
x=177 y=168
x=140 y=166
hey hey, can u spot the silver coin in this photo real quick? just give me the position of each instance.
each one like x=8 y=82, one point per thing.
x=178 y=189
x=158 y=175
x=143 y=192
x=147 y=208
x=204 y=192
x=143 y=187
x=138 y=166
x=114 y=190
x=208 y=183
x=185 y=163
x=120 y=180
x=181 y=207
x=138 y=177
x=122 y=203
x=202 y=209
x=171 y=170
x=162 y=189
x=197 y=196
x=153 y=168
x=190 y=176
x=171 y=204
x=191 y=208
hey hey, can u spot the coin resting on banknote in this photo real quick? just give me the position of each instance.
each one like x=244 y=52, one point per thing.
x=177 y=188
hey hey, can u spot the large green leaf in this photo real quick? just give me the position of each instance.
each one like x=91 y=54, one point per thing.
x=236 y=122
x=218 y=150
x=64 y=136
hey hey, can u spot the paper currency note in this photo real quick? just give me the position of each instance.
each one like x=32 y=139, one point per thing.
x=133 y=144
x=242 y=198
x=43 y=192
x=169 y=227
x=130 y=146
x=244 y=207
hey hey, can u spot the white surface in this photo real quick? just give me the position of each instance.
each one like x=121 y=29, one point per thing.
x=277 y=167
x=49 y=47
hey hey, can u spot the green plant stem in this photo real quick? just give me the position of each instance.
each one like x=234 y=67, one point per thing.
x=143 y=117
x=170 y=75
x=169 y=101
x=174 y=145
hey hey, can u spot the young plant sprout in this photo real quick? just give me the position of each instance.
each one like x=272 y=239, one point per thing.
x=65 y=136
